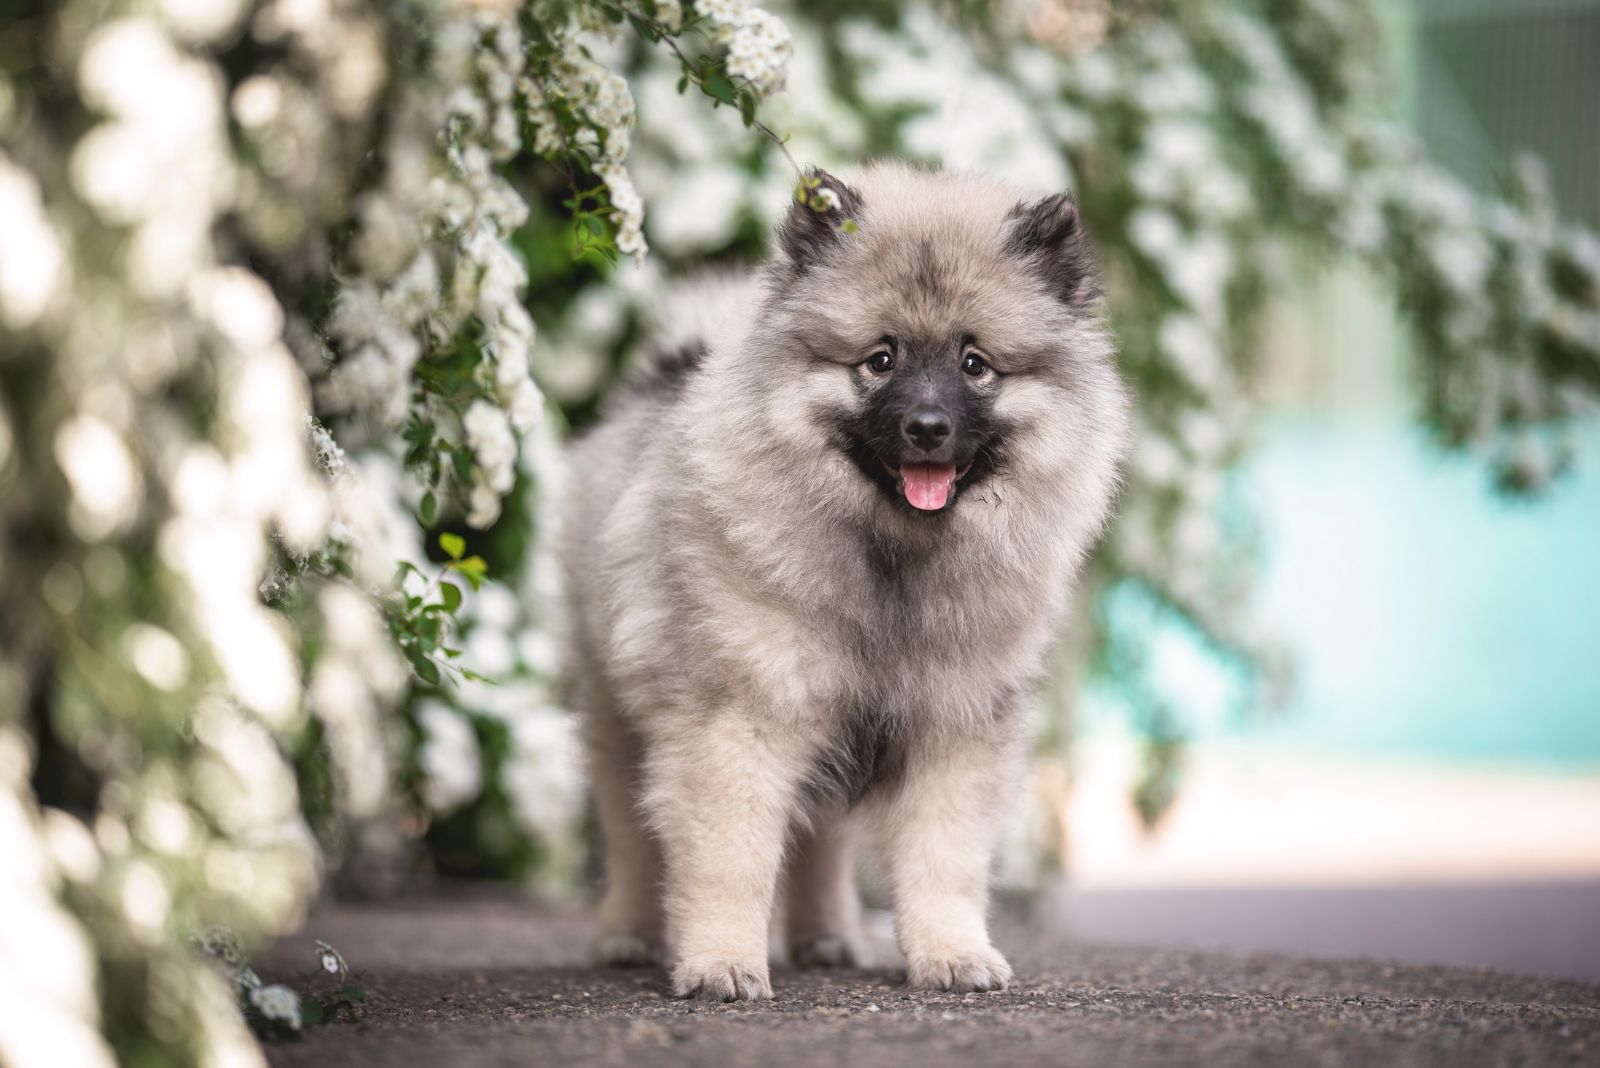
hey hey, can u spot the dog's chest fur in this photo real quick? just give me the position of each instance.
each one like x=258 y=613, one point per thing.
x=925 y=648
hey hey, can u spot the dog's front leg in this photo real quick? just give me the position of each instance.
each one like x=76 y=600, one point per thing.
x=721 y=802
x=939 y=831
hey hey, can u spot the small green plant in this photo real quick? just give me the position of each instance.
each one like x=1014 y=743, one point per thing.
x=331 y=989
x=423 y=623
x=282 y=1010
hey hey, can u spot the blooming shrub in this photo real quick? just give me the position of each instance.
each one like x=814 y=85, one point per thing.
x=261 y=327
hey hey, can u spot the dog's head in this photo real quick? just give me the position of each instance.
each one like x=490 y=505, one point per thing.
x=937 y=339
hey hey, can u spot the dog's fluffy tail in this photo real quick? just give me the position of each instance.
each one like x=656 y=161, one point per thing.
x=704 y=311
x=694 y=316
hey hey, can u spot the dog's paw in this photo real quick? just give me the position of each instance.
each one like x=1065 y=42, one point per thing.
x=960 y=972
x=716 y=980
x=827 y=950
x=624 y=949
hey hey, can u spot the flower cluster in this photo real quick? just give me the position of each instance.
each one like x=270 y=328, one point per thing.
x=594 y=121
x=759 y=45
x=430 y=254
x=170 y=453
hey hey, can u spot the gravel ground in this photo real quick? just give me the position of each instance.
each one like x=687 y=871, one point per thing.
x=481 y=982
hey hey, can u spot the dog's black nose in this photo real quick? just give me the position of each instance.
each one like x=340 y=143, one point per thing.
x=926 y=428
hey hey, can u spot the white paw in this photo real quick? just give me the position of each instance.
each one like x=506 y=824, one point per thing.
x=717 y=980
x=624 y=949
x=827 y=950
x=963 y=971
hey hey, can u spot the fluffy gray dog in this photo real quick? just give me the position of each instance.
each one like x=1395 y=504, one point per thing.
x=815 y=560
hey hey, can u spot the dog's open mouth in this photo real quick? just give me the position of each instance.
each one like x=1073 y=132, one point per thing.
x=927 y=487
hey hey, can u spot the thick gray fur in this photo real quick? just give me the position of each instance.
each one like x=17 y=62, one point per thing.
x=771 y=653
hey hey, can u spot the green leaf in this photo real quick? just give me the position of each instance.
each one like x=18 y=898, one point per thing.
x=683 y=85
x=645 y=30
x=462 y=458
x=720 y=87
x=311 y=1012
x=430 y=508
x=424 y=667
x=453 y=545
x=747 y=108
x=474 y=568
x=451 y=593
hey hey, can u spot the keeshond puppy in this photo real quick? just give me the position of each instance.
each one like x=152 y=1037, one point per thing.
x=816 y=556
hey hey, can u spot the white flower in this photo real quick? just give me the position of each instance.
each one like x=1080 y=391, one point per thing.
x=1157 y=460
x=279 y=1004
x=525 y=404
x=1462 y=258
x=1190 y=348
x=494 y=448
x=483 y=505
x=1199 y=271
x=452 y=769
x=107 y=486
x=1173 y=89
x=328 y=453
x=331 y=960
x=1363 y=225
x=1155 y=233
x=1096 y=75
x=542 y=773
x=32 y=262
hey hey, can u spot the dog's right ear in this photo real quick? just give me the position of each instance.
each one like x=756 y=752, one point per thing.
x=1050 y=236
x=824 y=213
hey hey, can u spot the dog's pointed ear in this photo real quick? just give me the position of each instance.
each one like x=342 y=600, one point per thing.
x=1050 y=236
x=824 y=213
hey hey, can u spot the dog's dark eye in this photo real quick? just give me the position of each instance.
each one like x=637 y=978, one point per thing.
x=974 y=365
x=881 y=362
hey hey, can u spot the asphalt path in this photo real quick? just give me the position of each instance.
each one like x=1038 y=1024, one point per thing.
x=481 y=981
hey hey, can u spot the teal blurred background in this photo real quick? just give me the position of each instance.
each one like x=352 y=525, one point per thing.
x=1430 y=617
x=1426 y=615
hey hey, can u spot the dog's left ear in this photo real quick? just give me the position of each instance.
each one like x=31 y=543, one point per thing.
x=1049 y=234
x=824 y=209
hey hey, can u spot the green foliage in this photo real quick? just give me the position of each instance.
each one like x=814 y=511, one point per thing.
x=423 y=623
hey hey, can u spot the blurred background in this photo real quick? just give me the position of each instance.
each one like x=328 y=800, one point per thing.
x=1428 y=789
x=299 y=300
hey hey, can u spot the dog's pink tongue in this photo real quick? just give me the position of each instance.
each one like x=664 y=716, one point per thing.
x=928 y=485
